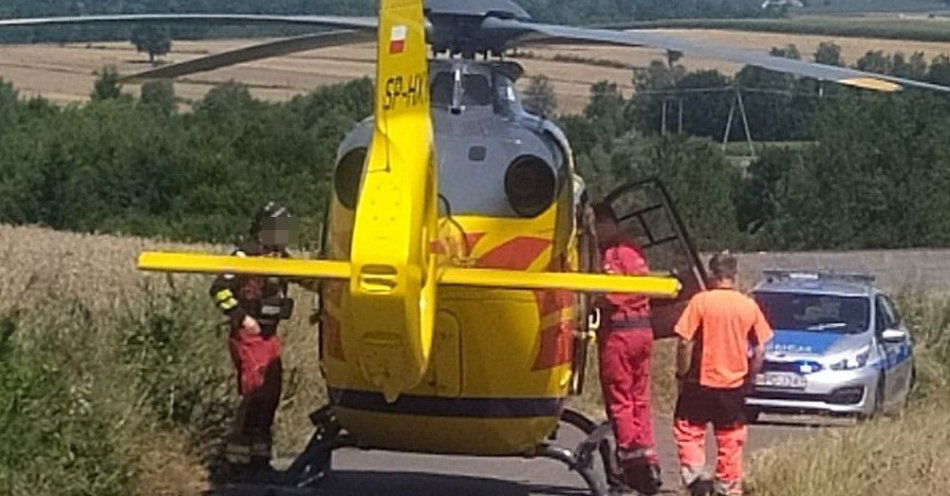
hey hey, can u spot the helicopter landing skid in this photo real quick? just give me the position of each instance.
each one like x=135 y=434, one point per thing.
x=313 y=465
x=581 y=459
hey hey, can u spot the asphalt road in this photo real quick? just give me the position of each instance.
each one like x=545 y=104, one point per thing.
x=373 y=473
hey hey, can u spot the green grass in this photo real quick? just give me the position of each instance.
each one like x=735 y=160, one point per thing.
x=118 y=382
x=857 y=27
x=55 y=438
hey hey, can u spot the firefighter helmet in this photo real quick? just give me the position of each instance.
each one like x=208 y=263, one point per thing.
x=271 y=210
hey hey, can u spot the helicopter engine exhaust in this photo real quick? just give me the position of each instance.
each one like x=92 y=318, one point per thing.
x=531 y=185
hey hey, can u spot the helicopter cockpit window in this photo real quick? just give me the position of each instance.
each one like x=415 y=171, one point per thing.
x=476 y=90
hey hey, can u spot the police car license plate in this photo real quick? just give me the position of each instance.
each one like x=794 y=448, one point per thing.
x=781 y=380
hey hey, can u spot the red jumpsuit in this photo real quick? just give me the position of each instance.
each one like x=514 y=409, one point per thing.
x=626 y=347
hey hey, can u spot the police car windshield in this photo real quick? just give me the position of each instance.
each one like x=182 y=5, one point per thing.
x=816 y=312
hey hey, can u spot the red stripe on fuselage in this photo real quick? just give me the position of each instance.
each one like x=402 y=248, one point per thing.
x=516 y=254
x=557 y=346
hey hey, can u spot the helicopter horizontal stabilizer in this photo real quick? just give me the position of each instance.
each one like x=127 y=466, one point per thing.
x=655 y=286
x=211 y=264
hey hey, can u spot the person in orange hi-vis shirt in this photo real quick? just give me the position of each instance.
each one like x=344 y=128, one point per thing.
x=722 y=335
x=625 y=345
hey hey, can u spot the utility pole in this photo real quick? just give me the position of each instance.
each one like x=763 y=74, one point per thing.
x=737 y=102
x=668 y=102
x=663 y=118
x=680 y=101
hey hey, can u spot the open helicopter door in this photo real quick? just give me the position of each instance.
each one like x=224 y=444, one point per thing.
x=648 y=216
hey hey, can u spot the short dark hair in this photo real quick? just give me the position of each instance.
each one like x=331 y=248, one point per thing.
x=724 y=265
x=605 y=211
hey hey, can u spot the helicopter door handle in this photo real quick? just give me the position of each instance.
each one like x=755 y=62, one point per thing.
x=593 y=322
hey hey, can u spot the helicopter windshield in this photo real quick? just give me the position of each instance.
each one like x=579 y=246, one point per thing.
x=476 y=90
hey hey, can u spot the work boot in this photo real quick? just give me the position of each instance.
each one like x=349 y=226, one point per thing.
x=645 y=478
x=264 y=474
x=621 y=490
x=702 y=486
x=725 y=488
x=238 y=473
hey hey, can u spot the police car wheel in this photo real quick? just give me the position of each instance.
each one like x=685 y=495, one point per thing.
x=878 y=406
x=752 y=414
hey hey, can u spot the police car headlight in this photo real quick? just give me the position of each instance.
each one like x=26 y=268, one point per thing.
x=855 y=361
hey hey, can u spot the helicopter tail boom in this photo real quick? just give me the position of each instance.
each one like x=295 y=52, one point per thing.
x=393 y=271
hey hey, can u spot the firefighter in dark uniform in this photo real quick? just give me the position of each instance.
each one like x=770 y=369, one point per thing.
x=255 y=306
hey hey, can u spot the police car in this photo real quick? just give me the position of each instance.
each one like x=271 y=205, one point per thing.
x=840 y=347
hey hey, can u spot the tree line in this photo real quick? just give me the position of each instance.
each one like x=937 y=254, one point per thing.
x=140 y=166
x=779 y=107
x=872 y=172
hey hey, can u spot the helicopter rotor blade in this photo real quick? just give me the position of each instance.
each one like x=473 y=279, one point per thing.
x=252 y=53
x=339 y=22
x=534 y=32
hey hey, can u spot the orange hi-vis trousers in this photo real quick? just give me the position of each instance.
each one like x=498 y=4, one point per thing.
x=697 y=407
x=691 y=441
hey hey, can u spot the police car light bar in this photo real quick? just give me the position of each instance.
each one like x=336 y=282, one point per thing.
x=800 y=275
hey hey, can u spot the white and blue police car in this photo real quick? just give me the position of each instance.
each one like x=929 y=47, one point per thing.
x=840 y=347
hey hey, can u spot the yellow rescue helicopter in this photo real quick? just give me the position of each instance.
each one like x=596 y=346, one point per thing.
x=458 y=260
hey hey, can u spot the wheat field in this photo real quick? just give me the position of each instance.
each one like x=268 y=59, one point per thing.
x=52 y=279
x=65 y=73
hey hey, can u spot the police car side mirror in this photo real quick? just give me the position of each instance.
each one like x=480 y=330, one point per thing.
x=894 y=336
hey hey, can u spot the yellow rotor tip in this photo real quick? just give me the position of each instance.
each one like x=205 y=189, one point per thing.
x=868 y=83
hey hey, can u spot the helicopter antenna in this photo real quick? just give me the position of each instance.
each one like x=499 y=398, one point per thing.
x=461 y=229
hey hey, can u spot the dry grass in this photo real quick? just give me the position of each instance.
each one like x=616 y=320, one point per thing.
x=891 y=457
x=168 y=469
x=65 y=73
x=44 y=271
